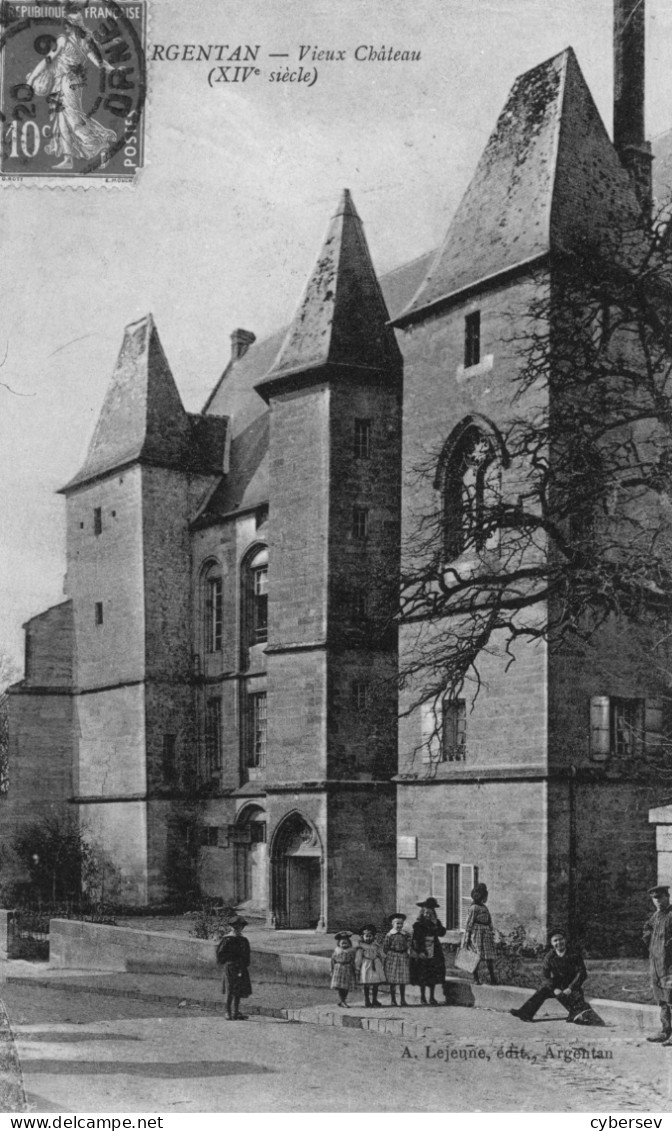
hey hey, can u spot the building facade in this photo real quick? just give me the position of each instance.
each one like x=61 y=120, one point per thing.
x=217 y=697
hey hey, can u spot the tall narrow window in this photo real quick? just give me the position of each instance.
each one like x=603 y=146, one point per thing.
x=97 y=520
x=357 y=606
x=362 y=439
x=452 y=885
x=469 y=475
x=254 y=602
x=360 y=694
x=99 y=612
x=452 y=897
x=213 y=737
x=360 y=522
x=454 y=731
x=213 y=611
x=260 y=593
x=256 y=730
x=169 y=764
x=472 y=339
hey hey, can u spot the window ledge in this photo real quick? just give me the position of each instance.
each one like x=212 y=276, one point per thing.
x=483 y=366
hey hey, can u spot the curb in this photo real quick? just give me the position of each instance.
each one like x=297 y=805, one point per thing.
x=623 y=1015
x=141 y=995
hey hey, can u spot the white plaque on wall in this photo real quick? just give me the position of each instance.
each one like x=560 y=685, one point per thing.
x=407 y=847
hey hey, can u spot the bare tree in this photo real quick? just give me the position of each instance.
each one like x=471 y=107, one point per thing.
x=560 y=518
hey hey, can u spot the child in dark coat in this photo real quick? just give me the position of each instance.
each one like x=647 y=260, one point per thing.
x=233 y=954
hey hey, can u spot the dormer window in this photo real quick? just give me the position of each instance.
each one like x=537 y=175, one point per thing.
x=472 y=339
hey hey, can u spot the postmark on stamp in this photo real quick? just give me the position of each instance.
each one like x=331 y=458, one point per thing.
x=72 y=89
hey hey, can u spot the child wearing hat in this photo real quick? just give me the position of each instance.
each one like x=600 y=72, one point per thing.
x=397 y=963
x=369 y=965
x=233 y=954
x=564 y=972
x=657 y=935
x=343 y=967
x=429 y=963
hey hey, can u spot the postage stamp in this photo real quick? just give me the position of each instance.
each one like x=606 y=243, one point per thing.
x=72 y=90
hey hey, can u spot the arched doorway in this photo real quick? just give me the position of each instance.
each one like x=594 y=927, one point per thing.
x=297 y=875
x=250 y=858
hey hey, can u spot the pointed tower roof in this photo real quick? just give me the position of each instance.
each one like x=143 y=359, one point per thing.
x=142 y=417
x=549 y=179
x=341 y=321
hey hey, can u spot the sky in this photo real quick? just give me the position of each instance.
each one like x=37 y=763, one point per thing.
x=228 y=215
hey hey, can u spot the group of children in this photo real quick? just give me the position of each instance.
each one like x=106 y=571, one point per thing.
x=403 y=957
x=372 y=963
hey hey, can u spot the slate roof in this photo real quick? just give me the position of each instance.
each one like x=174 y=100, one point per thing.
x=143 y=419
x=549 y=179
x=246 y=486
x=342 y=319
x=548 y=175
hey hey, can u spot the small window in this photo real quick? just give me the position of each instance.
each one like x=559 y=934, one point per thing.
x=362 y=439
x=257 y=832
x=617 y=726
x=360 y=695
x=97 y=520
x=472 y=339
x=360 y=522
x=209 y=836
x=99 y=612
x=260 y=516
x=627 y=726
x=213 y=737
x=169 y=749
x=600 y=325
x=454 y=731
x=357 y=605
x=256 y=708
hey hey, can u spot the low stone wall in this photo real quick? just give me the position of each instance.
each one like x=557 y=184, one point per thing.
x=94 y=946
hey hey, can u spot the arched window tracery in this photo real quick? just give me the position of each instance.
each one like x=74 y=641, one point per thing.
x=469 y=477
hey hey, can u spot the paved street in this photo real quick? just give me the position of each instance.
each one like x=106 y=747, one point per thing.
x=84 y=1052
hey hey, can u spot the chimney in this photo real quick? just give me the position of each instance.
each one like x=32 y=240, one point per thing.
x=630 y=141
x=241 y=340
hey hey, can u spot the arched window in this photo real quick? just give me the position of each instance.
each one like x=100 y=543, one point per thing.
x=254 y=592
x=211 y=593
x=469 y=479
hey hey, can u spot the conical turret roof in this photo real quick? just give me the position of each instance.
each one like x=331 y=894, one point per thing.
x=341 y=321
x=142 y=417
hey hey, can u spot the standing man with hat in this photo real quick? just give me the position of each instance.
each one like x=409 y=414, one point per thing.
x=658 y=937
x=428 y=963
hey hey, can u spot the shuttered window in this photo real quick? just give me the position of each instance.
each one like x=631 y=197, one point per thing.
x=625 y=727
x=452 y=885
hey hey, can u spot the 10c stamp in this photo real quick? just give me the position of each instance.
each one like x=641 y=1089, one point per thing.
x=72 y=89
